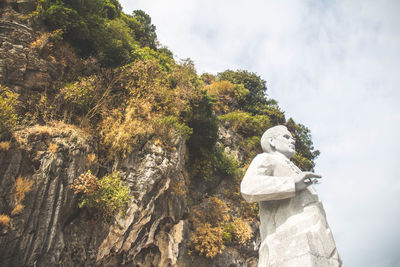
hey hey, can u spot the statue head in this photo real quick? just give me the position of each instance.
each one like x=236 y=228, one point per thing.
x=278 y=139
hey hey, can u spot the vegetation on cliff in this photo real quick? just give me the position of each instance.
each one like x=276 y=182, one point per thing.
x=121 y=87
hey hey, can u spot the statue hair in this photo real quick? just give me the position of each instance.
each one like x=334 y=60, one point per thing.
x=271 y=133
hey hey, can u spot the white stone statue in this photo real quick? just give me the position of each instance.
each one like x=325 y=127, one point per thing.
x=294 y=231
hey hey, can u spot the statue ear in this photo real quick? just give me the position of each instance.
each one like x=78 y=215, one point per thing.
x=271 y=142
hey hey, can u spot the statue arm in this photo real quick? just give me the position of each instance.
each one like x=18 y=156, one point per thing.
x=259 y=184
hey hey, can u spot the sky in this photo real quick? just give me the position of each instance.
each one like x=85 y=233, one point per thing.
x=333 y=66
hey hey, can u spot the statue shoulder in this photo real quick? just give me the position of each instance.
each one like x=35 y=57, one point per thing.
x=264 y=159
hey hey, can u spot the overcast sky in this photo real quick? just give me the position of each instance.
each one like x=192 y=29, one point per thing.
x=333 y=66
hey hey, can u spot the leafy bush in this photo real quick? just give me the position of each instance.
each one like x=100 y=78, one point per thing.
x=114 y=194
x=163 y=56
x=80 y=94
x=146 y=31
x=228 y=95
x=107 y=195
x=117 y=44
x=165 y=125
x=226 y=165
x=8 y=114
x=274 y=113
x=246 y=124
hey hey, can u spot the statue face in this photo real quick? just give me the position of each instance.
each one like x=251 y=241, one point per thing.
x=284 y=143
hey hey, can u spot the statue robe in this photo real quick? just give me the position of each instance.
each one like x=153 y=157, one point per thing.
x=294 y=231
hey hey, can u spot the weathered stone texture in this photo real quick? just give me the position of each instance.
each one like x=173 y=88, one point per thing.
x=36 y=235
x=20 y=64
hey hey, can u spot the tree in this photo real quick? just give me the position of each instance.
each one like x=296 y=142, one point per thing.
x=255 y=101
x=99 y=28
x=146 y=32
x=305 y=152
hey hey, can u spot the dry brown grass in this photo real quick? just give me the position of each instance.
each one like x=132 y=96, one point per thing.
x=17 y=209
x=241 y=231
x=22 y=185
x=90 y=159
x=207 y=241
x=177 y=188
x=45 y=39
x=53 y=148
x=41 y=41
x=4 y=220
x=121 y=130
x=4 y=146
x=55 y=128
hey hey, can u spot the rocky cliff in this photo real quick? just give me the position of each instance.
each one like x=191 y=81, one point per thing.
x=51 y=230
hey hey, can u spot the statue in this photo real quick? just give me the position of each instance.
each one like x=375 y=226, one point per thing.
x=294 y=231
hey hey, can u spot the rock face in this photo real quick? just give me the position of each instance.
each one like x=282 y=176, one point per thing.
x=153 y=224
x=51 y=230
x=27 y=63
x=36 y=234
x=20 y=65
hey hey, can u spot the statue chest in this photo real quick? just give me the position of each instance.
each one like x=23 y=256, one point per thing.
x=285 y=168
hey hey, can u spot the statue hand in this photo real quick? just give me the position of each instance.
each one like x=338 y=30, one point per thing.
x=303 y=180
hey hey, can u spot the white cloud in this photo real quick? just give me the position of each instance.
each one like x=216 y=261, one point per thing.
x=332 y=65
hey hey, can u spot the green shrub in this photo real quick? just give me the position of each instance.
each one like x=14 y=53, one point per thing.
x=107 y=195
x=8 y=116
x=225 y=165
x=162 y=56
x=227 y=234
x=246 y=124
x=114 y=194
x=80 y=94
x=164 y=126
x=251 y=146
